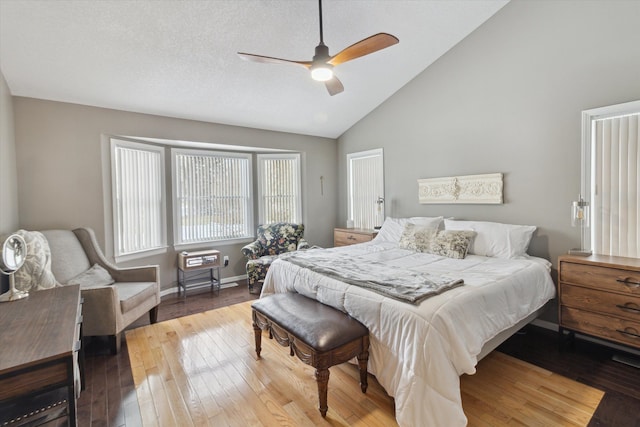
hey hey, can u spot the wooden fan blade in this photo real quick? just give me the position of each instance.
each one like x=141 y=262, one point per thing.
x=364 y=47
x=271 y=60
x=334 y=86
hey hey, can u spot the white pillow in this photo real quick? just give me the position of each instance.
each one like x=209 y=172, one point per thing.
x=392 y=228
x=494 y=239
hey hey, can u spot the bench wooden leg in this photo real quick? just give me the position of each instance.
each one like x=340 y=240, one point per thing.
x=322 y=378
x=363 y=359
x=258 y=338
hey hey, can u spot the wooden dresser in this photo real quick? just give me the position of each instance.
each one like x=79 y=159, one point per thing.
x=40 y=363
x=600 y=296
x=351 y=236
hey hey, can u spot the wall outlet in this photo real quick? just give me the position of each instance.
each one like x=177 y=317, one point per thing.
x=226 y=260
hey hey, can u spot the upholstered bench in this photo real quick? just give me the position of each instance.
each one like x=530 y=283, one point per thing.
x=319 y=335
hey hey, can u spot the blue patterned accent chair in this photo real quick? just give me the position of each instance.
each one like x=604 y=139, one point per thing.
x=273 y=241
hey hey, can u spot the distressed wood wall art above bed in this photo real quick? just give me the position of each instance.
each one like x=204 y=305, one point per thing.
x=481 y=189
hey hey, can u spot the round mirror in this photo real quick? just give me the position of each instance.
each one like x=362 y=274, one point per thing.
x=14 y=251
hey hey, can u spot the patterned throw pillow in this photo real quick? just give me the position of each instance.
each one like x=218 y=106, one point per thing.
x=416 y=237
x=452 y=244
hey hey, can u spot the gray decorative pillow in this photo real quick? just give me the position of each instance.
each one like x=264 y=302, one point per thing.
x=452 y=243
x=94 y=277
x=416 y=237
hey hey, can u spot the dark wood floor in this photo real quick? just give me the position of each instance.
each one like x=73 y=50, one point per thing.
x=588 y=363
x=110 y=400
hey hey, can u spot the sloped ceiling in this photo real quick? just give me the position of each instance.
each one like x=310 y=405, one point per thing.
x=178 y=58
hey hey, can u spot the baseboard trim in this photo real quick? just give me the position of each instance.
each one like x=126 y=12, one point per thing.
x=227 y=282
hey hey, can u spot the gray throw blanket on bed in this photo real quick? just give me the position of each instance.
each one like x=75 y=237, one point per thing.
x=390 y=281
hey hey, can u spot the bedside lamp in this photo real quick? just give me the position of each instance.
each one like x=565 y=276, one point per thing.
x=14 y=251
x=379 y=202
x=580 y=218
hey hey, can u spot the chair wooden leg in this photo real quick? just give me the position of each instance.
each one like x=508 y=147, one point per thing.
x=153 y=315
x=322 y=378
x=114 y=343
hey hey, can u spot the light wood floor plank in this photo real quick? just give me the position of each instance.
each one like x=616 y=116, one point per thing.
x=202 y=370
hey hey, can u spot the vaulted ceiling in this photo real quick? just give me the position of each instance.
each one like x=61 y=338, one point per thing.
x=178 y=58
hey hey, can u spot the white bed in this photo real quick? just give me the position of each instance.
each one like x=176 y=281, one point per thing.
x=418 y=352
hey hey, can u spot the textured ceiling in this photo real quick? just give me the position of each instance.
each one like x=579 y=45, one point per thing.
x=178 y=58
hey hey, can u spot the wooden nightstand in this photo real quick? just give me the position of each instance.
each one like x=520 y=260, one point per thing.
x=351 y=236
x=600 y=296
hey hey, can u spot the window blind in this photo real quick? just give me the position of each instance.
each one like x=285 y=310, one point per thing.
x=616 y=202
x=213 y=196
x=280 y=199
x=366 y=186
x=138 y=181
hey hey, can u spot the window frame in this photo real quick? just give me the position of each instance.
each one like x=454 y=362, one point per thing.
x=297 y=184
x=114 y=144
x=178 y=243
x=376 y=152
x=588 y=161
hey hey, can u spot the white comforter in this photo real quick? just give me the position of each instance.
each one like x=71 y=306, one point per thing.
x=418 y=352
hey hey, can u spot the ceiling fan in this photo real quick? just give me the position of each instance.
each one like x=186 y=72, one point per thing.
x=321 y=66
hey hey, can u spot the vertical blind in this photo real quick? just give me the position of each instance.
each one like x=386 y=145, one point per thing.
x=616 y=202
x=138 y=199
x=366 y=185
x=280 y=189
x=212 y=196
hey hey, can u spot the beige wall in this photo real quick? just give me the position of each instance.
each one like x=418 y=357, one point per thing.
x=61 y=179
x=8 y=174
x=508 y=99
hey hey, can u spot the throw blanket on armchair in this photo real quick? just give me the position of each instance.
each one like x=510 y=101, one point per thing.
x=35 y=274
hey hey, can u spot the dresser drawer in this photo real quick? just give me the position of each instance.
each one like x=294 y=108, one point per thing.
x=611 y=328
x=345 y=237
x=625 y=306
x=601 y=278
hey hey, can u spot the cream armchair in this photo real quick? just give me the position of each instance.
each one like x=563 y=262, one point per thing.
x=108 y=308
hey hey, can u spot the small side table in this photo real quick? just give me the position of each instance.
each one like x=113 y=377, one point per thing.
x=205 y=266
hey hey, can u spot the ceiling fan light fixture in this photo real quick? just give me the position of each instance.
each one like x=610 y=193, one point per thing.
x=322 y=72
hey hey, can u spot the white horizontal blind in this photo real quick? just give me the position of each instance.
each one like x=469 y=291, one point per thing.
x=212 y=196
x=616 y=202
x=138 y=197
x=366 y=186
x=280 y=199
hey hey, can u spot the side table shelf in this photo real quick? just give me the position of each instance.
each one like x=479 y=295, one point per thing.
x=198 y=268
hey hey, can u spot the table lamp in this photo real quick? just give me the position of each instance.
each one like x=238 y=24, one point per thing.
x=580 y=218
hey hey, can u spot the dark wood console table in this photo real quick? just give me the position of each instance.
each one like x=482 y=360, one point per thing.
x=40 y=361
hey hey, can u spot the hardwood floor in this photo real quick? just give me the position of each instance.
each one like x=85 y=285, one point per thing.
x=588 y=363
x=110 y=398
x=201 y=370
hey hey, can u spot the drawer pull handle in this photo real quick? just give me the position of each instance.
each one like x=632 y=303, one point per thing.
x=628 y=281
x=350 y=237
x=629 y=306
x=627 y=333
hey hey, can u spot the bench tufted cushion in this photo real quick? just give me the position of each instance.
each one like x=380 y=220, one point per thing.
x=322 y=327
